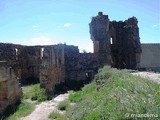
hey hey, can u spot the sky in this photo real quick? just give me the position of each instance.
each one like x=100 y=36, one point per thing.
x=48 y=22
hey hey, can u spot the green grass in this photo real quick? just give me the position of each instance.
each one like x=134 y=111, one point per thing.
x=63 y=105
x=113 y=94
x=56 y=116
x=23 y=109
x=34 y=92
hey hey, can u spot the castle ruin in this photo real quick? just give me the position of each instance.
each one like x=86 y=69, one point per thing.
x=115 y=43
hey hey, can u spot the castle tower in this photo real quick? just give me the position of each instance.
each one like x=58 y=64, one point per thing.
x=99 y=30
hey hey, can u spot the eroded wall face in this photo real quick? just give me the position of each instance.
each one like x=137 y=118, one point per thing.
x=79 y=66
x=25 y=60
x=52 y=69
x=10 y=92
x=28 y=63
x=64 y=64
x=51 y=64
x=99 y=30
x=116 y=43
x=8 y=53
x=125 y=47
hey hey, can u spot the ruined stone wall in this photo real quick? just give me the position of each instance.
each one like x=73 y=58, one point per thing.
x=79 y=66
x=52 y=64
x=8 y=53
x=64 y=64
x=25 y=60
x=28 y=62
x=71 y=57
x=125 y=45
x=52 y=69
x=88 y=66
x=10 y=92
x=116 y=43
x=99 y=30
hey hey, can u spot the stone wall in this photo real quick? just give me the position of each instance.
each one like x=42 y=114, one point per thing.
x=99 y=30
x=125 y=47
x=64 y=64
x=52 y=70
x=28 y=62
x=150 y=58
x=25 y=60
x=84 y=67
x=8 y=53
x=10 y=92
x=88 y=66
x=116 y=43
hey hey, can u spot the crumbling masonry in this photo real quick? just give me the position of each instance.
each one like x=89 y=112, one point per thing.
x=10 y=92
x=115 y=43
x=64 y=64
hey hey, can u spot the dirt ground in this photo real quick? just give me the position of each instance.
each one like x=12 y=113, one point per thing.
x=149 y=75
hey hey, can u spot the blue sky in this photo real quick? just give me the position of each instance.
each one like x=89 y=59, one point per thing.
x=33 y=22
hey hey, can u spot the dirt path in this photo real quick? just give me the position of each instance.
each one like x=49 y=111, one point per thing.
x=149 y=75
x=43 y=110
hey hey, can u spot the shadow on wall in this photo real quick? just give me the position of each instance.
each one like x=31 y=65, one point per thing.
x=71 y=85
x=10 y=110
x=29 y=81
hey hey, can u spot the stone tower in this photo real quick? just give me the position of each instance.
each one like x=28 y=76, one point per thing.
x=99 y=30
x=116 y=43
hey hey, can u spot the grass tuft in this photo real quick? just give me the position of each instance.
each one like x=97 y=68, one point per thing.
x=63 y=105
x=35 y=92
x=56 y=116
x=23 y=109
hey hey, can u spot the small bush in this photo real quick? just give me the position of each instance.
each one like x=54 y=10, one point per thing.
x=56 y=116
x=63 y=105
x=75 y=97
x=35 y=92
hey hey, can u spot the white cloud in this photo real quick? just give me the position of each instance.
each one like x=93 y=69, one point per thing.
x=42 y=40
x=35 y=26
x=66 y=25
x=156 y=25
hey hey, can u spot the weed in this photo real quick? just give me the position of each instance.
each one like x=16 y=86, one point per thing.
x=35 y=92
x=63 y=105
x=78 y=96
x=56 y=116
